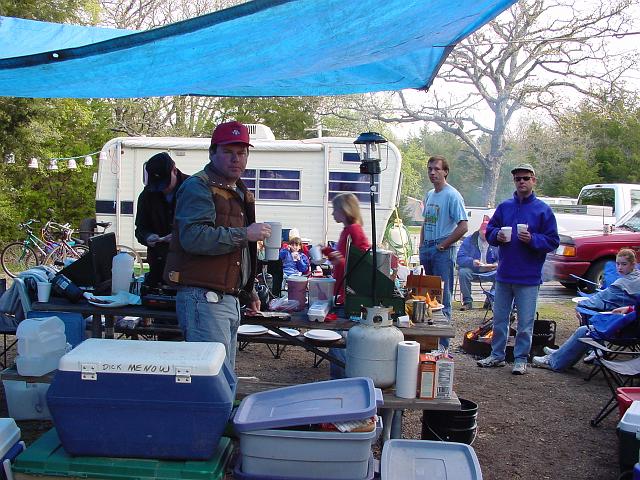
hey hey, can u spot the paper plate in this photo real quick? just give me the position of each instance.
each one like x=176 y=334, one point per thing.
x=323 y=335
x=438 y=308
x=579 y=299
x=291 y=331
x=111 y=303
x=252 y=330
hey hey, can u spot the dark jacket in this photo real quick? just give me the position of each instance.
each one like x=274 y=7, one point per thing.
x=470 y=251
x=209 y=236
x=521 y=263
x=154 y=214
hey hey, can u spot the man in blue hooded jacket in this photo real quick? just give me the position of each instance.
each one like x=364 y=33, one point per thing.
x=522 y=251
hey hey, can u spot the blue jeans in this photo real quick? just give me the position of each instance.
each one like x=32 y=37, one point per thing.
x=466 y=276
x=443 y=265
x=526 y=300
x=571 y=351
x=202 y=321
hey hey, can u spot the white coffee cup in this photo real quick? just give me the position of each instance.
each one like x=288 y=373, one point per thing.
x=316 y=253
x=522 y=227
x=273 y=242
x=44 y=291
x=507 y=233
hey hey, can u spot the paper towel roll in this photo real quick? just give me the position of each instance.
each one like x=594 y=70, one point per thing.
x=407 y=369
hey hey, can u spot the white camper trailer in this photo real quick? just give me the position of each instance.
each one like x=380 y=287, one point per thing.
x=293 y=180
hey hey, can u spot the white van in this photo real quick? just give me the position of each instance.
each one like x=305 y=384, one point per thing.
x=293 y=180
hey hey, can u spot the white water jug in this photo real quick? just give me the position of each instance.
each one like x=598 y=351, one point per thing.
x=41 y=344
x=121 y=273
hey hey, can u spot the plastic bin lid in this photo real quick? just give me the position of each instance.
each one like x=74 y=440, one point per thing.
x=9 y=435
x=145 y=358
x=319 y=402
x=630 y=421
x=427 y=459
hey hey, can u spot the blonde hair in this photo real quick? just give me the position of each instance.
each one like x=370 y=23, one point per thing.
x=295 y=241
x=627 y=254
x=349 y=204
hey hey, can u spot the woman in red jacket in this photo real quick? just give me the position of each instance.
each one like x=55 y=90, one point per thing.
x=346 y=210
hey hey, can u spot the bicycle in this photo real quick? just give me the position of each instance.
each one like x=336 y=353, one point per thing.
x=19 y=256
x=67 y=248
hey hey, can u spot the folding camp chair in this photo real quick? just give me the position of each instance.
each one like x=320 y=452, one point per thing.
x=616 y=373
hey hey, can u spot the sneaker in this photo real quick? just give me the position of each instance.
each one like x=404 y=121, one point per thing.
x=541 y=362
x=549 y=350
x=466 y=306
x=590 y=357
x=519 y=368
x=490 y=362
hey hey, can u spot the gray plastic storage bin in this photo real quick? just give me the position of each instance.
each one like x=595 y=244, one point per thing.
x=313 y=455
x=428 y=460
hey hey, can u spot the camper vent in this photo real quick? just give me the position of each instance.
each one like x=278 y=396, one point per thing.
x=257 y=131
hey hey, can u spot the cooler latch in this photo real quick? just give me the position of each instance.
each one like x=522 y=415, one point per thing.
x=183 y=375
x=89 y=371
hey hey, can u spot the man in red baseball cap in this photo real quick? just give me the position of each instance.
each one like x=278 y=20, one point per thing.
x=212 y=255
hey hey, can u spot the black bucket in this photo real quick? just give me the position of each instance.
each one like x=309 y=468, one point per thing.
x=451 y=426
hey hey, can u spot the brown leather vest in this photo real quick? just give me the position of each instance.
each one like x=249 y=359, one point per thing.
x=215 y=272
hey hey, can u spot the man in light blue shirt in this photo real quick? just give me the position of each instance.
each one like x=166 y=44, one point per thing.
x=445 y=222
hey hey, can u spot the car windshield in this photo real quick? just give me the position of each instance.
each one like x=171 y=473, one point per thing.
x=631 y=219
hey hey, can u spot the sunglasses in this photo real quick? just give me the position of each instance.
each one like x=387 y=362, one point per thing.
x=525 y=178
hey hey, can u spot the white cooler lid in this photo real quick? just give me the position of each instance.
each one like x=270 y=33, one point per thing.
x=631 y=419
x=145 y=358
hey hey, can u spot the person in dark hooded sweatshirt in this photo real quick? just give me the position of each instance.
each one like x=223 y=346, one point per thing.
x=156 y=208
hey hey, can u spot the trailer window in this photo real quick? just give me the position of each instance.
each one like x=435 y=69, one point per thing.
x=351 y=157
x=635 y=197
x=273 y=184
x=352 y=182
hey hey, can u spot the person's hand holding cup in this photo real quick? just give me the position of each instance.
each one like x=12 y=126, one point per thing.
x=504 y=235
x=258 y=231
x=523 y=233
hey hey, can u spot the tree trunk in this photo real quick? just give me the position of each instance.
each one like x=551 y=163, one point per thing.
x=490 y=181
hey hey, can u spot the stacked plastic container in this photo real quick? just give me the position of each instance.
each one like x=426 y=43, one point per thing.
x=276 y=439
x=428 y=460
x=629 y=437
x=10 y=446
x=160 y=400
x=41 y=344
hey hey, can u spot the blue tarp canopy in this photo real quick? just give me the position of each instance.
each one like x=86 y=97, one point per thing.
x=260 y=48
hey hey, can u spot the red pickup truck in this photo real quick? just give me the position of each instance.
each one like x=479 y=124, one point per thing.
x=584 y=253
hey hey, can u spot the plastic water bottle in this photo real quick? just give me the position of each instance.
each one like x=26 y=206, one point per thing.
x=121 y=273
x=41 y=344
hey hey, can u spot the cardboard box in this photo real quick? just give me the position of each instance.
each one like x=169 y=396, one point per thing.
x=423 y=284
x=435 y=376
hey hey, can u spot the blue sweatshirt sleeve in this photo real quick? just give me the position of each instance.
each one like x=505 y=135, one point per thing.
x=493 y=227
x=547 y=240
x=303 y=263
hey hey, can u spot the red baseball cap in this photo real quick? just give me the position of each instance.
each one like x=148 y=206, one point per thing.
x=230 y=132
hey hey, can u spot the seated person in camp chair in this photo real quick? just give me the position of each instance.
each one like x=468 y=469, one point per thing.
x=623 y=292
x=294 y=261
x=477 y=261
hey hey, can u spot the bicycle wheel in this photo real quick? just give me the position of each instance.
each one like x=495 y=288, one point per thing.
x=17 y=257
x=64 y=254
x=138 y=265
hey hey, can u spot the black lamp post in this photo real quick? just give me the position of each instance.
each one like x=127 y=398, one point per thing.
x=367 y=144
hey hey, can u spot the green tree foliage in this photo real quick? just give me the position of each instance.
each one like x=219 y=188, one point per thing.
x=288 y=118
x=50 y=129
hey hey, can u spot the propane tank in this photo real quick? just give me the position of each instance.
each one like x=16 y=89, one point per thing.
x=372 y=348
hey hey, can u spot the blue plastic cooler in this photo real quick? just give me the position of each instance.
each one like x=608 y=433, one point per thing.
x=134 y=399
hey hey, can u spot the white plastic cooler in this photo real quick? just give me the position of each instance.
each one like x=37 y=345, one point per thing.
x=140 y=399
